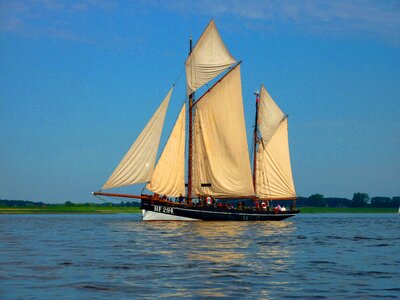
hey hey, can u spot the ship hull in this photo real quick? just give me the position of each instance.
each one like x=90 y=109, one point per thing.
x=158 y=210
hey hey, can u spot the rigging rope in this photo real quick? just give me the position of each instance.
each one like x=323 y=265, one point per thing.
x=179 y=76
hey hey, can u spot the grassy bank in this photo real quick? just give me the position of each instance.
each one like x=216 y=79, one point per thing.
x=61 y=209
x=315 y=210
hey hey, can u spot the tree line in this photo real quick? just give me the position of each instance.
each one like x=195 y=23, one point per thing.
x=358 y=200
x=315 y=200
x=28 y=204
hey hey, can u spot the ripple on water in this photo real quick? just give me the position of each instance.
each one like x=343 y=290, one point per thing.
x=118 y=256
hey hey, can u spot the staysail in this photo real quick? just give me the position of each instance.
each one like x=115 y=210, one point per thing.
x=221 y=159
x=169 y=175
x=138 y=164
x=208 y=59
x=274 y=178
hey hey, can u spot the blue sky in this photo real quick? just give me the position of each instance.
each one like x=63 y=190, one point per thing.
x=80 y=79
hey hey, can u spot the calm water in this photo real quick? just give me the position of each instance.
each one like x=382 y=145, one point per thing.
x=332 y=256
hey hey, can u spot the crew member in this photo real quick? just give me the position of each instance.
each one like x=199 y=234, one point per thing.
x=264 y=205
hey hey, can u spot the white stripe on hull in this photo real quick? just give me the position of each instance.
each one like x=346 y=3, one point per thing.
x=155 y=216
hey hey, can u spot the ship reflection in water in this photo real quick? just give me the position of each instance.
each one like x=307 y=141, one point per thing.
x=223 y=253
x=334 y=256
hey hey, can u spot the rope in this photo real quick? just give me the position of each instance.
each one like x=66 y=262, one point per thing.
x=179 y=77
x=97 y=196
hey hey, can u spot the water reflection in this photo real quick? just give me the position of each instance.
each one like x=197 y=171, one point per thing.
x=117 y=256
x=228 y=242
x=219 y=252
x=217 y=242
x=223 y=250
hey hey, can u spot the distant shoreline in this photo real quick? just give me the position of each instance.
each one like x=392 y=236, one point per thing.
x=115 y=210
x=313 y=210
x=69 y=210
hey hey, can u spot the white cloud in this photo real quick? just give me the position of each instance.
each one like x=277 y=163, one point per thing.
x=379 y=20
x=46 y=18
x=376 y=19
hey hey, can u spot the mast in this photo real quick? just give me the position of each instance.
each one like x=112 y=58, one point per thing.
x=190 y=154
x=255 y=137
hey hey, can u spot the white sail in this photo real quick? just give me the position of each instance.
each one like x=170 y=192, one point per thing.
x=138 y=164
x=208 y=59
x=221 y=159
x=169 y=174
x=274 y=178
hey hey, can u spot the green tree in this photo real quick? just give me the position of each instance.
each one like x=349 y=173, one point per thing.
x=69 y=203
x=382 y=202
x=360 y=199
x=317 y=200
x=396 y=201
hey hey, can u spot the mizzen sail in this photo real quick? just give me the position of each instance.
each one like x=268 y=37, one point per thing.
x=274 y=178
x=208 y=59
x=221 y=159
x=169 y=174
x=138 y=164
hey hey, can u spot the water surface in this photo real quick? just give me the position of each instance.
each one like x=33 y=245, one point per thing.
x=321 y=256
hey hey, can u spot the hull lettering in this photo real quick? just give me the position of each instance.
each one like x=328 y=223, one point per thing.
x=164 y=210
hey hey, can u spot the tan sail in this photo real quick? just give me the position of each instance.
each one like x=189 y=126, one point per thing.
x=208 y=59
x=269 y=115
x=274 y=178
x=169 y=174
x=221 y=157
x=138 y=164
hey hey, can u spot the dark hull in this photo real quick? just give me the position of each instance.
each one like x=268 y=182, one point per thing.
x=157 y=210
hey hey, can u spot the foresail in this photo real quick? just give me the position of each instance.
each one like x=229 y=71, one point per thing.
x=208 y=59
x=221 y=164
x=138 y=164
x=274 y=178
x=169 y=174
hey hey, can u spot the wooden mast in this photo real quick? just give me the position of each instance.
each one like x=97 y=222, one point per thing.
x=255 y=137
x=190 y=152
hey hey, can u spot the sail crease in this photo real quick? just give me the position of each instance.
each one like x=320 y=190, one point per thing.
x=208 y=59
x=220 y=144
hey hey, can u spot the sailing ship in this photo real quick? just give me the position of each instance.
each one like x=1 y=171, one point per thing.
x=222 y=184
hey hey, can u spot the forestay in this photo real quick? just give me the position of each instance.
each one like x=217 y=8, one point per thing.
x=221 y=157
x=169 y=174
x=208 y=59
x=138 y=164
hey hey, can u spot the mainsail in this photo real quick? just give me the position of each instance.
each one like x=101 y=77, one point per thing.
x=208 y=59
x=221 y=159
x=169 y=174
x=274 y=178
x=138 y=164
